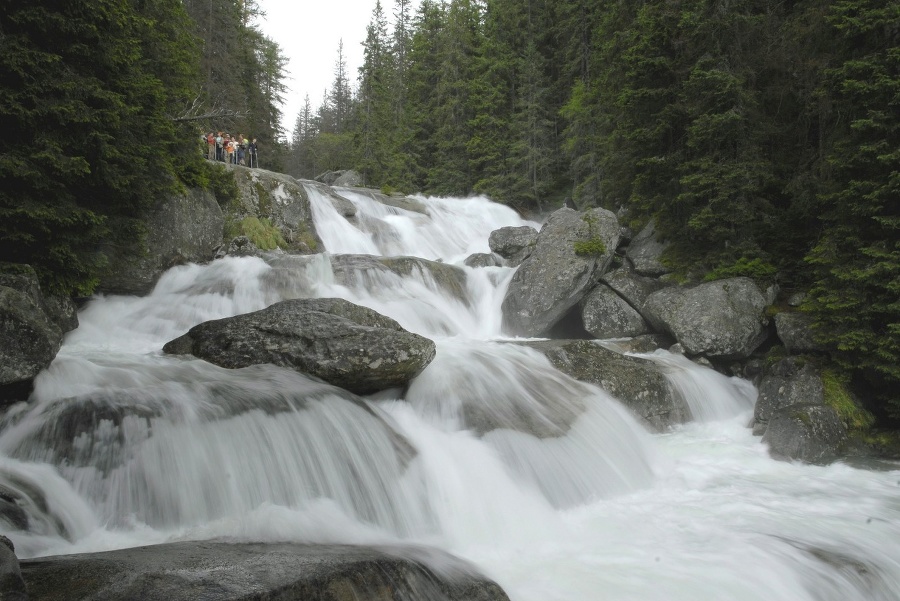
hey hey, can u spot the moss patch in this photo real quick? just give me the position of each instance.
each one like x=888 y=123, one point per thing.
x=261 y=232
x=305 y=238
x=838 y=397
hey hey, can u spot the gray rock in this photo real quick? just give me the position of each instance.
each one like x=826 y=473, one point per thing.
x=796 y=299
x=640 y=384
x=240 y=246
x=11 y=511
x=183 y=228
x=788 y=382
x=633 y=288
x=363 y=270
x=722 y=319
x=29 y=340
x=344 y=344
x=190 y=571
x=348 y=177
x=450 y=278
x=513 y=243
x=796 y=332
x=607 y=315
x=282 y=200
x=554 y=278
x=644 y=252
x=61 y=310
x=477 y=260
x=807 y=433
x=12 y=585
x=344 y=177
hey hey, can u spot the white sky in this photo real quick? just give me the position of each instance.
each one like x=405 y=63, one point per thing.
x=308 y=32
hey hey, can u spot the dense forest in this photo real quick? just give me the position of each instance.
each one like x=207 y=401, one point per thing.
x=103 y=105
x=763 y=137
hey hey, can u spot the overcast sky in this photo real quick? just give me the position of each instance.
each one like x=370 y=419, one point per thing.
x=308 y=32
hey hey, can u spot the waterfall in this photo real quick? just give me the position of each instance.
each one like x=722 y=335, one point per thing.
x=548 y=484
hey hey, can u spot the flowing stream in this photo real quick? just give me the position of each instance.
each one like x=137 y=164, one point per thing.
x=122 y=445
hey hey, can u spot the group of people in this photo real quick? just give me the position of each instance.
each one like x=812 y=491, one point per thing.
x=232 y=150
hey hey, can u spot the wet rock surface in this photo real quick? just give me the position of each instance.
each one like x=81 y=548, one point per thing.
x=638 y=383
x=347 y=345
x=221 y=571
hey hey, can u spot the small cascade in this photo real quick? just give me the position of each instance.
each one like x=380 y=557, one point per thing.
x=571 y=441
x=709 y=395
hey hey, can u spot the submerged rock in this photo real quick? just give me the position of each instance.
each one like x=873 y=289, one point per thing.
x=555 y=278
x=640 y=384
x=363 y=270
x=188 y=571
x=347 y=345
x=477 y=260
x=805 y=432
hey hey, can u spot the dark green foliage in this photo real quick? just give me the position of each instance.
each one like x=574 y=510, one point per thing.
x=856 y=298
x=88 y=91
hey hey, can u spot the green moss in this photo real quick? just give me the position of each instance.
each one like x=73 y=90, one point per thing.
x=593 y=246
x=387 y=189
x=756 y=269
x=838 y=397
x=802 y=416
x=265 y=199
x=262 y=233
x=306 y=237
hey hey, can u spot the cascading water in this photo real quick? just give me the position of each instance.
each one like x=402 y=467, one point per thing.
x=546 y=483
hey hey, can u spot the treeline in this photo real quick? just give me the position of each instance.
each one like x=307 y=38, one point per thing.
x=103 y=105
x=763 y=136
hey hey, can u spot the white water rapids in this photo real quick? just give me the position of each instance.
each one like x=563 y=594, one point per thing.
x=122 y=446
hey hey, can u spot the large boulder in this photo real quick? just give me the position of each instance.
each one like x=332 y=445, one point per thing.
x=644 y=252
x=513 y=243
x=31 y=331
x=12 y=585
x=347 y=345
x=640 y=384
x=555 y=278
x=796 y=332
x=722 y=319
x=187 y=571
x=790 y=381
x=807 y=433
x=183 y=228
x=605 y=314
x=279 y=198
